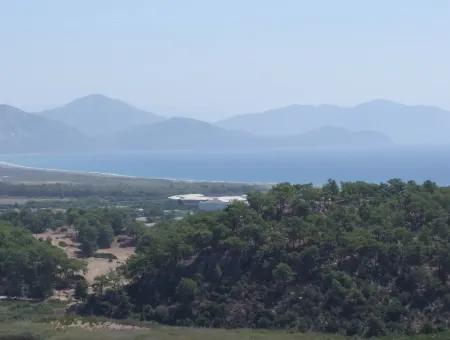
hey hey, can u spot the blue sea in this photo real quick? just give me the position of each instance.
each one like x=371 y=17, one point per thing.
x=271 y=166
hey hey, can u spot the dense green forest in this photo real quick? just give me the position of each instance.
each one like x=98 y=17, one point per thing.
x=96 y=227
x=32 y=268
x=354 y=258
x=36 y=221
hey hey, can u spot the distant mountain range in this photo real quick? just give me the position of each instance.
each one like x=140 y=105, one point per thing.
x=96 y=114
x=184 y=133
x=26 y=132
x=404 y=124
x=178 y=133
x=97 y=122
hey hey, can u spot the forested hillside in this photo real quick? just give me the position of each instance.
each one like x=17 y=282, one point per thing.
x=29 y=267
x=355 y=258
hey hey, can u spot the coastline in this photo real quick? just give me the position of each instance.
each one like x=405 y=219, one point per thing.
x=75 y=172
x=9 y=165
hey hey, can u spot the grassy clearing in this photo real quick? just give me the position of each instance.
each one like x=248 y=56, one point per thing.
x=45 y=331
x=436 y=336
x=37 y=319
x=21 y=319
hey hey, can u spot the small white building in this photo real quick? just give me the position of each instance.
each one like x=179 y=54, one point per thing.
x=207 y=203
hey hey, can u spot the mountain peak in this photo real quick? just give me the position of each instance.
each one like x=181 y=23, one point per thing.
x=95 y=96
x=97 y=114
x=99 y=100
x=379 y=102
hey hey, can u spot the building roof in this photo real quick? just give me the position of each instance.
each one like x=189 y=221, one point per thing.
x=203 y=198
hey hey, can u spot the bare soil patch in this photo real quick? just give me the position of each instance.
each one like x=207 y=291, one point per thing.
x=65 y=239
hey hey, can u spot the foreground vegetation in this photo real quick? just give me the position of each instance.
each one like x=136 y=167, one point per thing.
x=45 y=331
x=47 y=320
x=356 y=259
x=24 y=320
x=31 y=268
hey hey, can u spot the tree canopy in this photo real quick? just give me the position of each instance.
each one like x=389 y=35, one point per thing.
x=356 y=258
x=29 y=267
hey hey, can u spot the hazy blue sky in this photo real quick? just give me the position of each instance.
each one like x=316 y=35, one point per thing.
x=216 y=58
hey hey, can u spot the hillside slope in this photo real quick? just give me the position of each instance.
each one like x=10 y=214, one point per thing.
x=26 y=132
